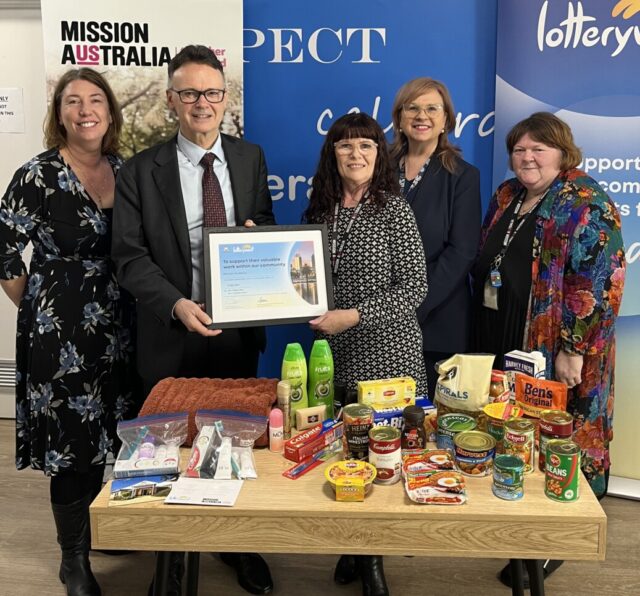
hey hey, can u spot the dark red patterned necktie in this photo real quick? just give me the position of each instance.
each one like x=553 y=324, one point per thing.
x=214 y=215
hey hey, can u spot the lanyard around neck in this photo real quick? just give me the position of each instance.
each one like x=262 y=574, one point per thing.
x=338 y=249
x=403 y=179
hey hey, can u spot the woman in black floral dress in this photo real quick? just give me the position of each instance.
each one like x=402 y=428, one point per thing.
x=74 y=360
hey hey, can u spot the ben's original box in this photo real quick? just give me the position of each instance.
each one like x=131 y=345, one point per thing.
x=387 y=393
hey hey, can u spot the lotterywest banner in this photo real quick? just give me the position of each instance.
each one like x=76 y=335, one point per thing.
x=131 y=43
x=307 y=64
x=578 y=59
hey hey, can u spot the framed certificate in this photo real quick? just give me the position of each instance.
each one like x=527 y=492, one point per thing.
x=266 y=275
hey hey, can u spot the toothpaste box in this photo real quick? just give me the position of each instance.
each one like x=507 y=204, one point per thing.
x=387 y=393
x=532 y=364
x=312 y=440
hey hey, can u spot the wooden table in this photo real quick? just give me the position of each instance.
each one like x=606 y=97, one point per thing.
x=276 y=515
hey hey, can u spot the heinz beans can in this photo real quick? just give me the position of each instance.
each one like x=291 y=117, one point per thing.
x=562 y=473
x=508 y=477
x=554 y=424
x=519 y=440
x=384 y=454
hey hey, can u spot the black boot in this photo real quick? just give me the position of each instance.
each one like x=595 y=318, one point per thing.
x=548 y=567
x=372 y=575
x=74 y=537
x=346 y=570
x=252 y=571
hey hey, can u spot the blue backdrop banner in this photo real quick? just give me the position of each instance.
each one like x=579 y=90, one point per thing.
x=308 y=64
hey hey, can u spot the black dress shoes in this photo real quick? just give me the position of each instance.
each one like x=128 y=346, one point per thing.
x=372 y=575
x=346 y=570
x=548 y=567
x=174 y=579
x=252 y=570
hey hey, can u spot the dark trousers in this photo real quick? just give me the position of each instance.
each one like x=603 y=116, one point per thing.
x=430 y=361
x=230 y=355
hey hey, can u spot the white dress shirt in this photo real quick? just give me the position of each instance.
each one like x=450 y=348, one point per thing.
x=191 y=172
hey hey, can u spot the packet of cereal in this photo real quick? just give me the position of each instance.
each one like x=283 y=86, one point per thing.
x=536 y=395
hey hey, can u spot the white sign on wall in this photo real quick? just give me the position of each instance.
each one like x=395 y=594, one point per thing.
x=11 y=110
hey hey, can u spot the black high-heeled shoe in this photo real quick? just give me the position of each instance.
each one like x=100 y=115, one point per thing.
x=548 y=567
x=346 y=570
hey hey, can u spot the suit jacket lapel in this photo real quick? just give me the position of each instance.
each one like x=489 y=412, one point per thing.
x=238 y=175
x=167 y=178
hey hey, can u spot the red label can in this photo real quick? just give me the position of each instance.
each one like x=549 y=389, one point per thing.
x=384 y=454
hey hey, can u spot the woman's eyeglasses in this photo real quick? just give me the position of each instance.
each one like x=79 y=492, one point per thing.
x=348 y=147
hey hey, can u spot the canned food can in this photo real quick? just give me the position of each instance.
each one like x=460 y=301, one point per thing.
x=508 y=477
x=474 y=451
x=449 y=425
x=495 y=415
x=384 y=454
x=562 y=473
x=554 y=424
x=520 y=440
x=357 y=420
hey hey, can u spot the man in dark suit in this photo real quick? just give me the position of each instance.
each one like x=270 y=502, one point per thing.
x=164 y=197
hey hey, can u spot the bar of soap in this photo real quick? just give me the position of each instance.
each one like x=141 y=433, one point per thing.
x=307 y=417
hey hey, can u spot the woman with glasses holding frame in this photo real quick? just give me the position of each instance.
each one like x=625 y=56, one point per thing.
x=379 y=277
x=443 y=191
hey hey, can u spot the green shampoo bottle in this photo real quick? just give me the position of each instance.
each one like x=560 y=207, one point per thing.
x=321 y=376
x=294 y=370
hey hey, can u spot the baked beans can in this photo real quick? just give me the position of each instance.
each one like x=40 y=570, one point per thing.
x=554 y=424
x=358 y=420
x=562 y=471
x=520 y=440
x=508 y=477
x=449 y=425
x=384 y=454
x=474 y=452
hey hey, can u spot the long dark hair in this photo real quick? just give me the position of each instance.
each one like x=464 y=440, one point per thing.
x=327 y=188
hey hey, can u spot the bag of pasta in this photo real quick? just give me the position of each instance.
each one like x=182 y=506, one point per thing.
x=463 y=384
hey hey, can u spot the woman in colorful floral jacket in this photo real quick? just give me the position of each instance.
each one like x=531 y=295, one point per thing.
x=550 y=275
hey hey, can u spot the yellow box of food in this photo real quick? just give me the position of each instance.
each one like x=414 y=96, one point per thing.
x=387 y=393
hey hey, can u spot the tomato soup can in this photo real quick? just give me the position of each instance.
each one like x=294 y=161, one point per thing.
x=384 y=454
x=562 y=473
x=474 y=451
x=358 y=420
x=449 y=425
x=554 y=424
x=520 y=440
x=508 y=477
x=495 y=415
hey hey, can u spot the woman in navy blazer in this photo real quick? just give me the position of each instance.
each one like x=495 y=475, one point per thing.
x=444 y=193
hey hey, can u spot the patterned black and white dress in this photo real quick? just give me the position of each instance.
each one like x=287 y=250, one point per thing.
x=74 y=352
x=382 y=273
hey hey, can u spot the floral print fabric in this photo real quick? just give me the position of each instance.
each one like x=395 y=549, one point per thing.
x=75 y=375
x=577 y=278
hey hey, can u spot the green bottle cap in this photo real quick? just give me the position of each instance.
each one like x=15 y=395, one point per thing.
x=293 y=352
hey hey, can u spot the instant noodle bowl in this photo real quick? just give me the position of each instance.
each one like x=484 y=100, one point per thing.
x=351 y=470
x=553 y=424
x=474 y=452
x=495 y=415
x=449 y=425
x=562 y=473
x=384 y=453
x=519 y=440
x=508 y=477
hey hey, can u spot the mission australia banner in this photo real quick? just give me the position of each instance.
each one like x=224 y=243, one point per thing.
x=132 y=42
x=579 y=60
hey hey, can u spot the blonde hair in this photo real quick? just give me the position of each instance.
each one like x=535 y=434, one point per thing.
x=445 y=150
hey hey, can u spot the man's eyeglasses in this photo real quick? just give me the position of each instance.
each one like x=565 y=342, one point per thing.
x=193 y=95
x=413 y=110
x=347 y=147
